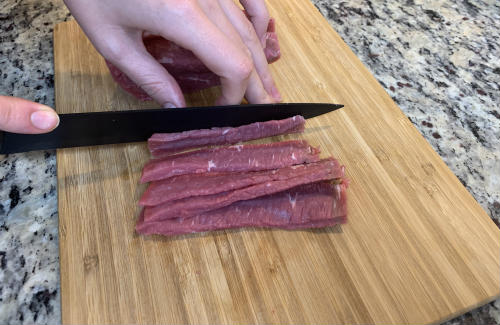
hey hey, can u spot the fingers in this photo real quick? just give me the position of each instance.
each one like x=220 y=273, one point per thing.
x=227 y=45
x=219 y=53
x=107 y=25
x=127 y=52
x=249 y=37
x=255 y=92
x=22 y=116
x=259 y=16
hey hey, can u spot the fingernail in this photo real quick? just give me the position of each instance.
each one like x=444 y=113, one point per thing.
x=276 y=94
x=44 y=120
x=168 y=105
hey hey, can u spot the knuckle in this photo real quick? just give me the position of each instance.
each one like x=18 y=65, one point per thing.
x=108 y=41
x=267 y=79
x=181 y=8
x=152 y=87
x=6 y=117
x=243 y=68
x=248 y=34
x=211 y=7
x=248 y=54
x=263 y=98
x=113 y=51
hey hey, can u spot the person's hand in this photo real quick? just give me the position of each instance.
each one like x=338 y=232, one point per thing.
x=216 y=31
x=18 y=115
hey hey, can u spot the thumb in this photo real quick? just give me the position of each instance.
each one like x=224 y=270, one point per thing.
x=18 y=115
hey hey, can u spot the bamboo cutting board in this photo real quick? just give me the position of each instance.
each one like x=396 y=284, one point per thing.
x=417 y=247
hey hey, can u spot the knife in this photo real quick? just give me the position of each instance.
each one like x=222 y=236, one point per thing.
x=111 y=127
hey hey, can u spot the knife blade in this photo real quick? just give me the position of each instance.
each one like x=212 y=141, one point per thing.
x=112 y=127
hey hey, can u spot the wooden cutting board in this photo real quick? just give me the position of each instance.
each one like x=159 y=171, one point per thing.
x=417 y=248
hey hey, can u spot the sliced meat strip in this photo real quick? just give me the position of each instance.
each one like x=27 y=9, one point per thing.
x=166 y=143
x=307 y=206
x=192 y=206
x=184 y=186
x=250 y=157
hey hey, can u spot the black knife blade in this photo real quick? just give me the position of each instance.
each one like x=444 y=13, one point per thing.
x=111 y=127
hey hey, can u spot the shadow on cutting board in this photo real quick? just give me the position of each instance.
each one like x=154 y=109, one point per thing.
x=337 y=229
x=316 y=129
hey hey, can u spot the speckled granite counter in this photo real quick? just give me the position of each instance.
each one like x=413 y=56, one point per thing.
x=437 y=59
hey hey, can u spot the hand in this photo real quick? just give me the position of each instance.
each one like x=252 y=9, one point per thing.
x=22 y=116
x=216 y=31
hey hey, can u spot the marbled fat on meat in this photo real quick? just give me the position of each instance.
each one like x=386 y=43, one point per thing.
x=167 y=143
x=242 y=158
x=307 y=206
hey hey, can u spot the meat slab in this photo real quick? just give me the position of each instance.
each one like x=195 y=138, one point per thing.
x=167 y=143
x=184 y=186
x=190 y=73
x=242 y=158
x=307 y=206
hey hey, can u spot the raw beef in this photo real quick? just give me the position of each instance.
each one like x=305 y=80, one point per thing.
x=272 y=49
x=166 y=143
x=184 y=186
x=250 y=157
x=307 y=206
x=184 y=66
x=192 y=206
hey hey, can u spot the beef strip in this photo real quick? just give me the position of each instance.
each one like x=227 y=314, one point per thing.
x=191 y=74
x=250 y=157
x=184 y=186
x=307 y=206
x=167 y=143
x=192 y=206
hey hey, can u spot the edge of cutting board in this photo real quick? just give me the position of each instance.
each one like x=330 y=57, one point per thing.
x=346 y=55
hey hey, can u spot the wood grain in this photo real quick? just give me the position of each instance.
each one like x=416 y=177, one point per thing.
x=417 y=248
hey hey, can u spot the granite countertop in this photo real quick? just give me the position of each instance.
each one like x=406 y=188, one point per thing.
x=437 y=59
